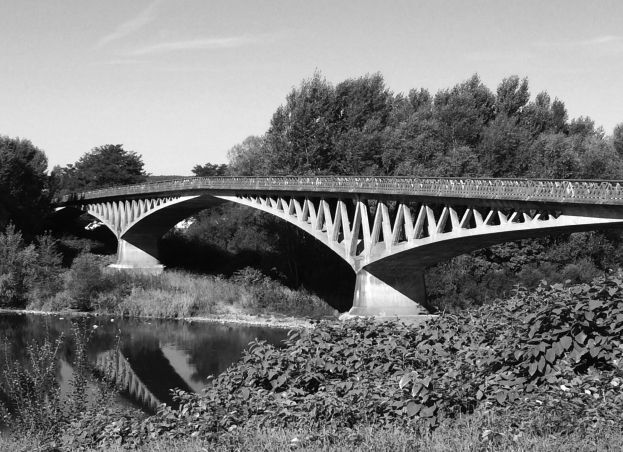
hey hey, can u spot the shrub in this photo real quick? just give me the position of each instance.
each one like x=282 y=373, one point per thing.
x=543 y=362
x=35 y=408
x=16 y=268
x=85 y=280
x=46 y=281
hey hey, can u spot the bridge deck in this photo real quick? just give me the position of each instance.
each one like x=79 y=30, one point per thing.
x=527 y=190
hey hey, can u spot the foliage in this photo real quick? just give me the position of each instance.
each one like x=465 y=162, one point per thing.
x=469 y=434
x=35 y=408
x=104 y=166
x=16 y=268
x=210 y=169
x=24 y=200
x=247 y=158
x=46 y=280
x=542 y=362
x=617 y=138
x=85 y=280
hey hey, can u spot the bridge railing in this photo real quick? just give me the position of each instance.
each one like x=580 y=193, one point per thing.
x=539 y=190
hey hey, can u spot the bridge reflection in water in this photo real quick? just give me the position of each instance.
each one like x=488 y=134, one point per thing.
x=156 y=355
x=120 y=371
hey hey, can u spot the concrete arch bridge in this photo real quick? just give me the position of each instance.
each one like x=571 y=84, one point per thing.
x=389 y=229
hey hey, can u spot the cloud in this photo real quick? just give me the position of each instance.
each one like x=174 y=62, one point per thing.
x=197 y=44
x=491 y=57
x=144 y=17
x=592 y=42
x=603 y=40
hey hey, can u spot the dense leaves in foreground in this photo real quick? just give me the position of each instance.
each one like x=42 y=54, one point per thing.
x=541 y=362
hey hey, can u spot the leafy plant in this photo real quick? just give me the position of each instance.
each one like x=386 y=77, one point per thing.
x=35 y=407
x=16 y=268
x=546 y=361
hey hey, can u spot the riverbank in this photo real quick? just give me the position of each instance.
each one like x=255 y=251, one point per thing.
x=449 y=385
x=470 y=434
x=247 y=297
x=272 y=321
x=543 y=369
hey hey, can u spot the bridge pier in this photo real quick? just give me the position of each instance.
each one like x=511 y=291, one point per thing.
x=374 y=297
x=143 y=259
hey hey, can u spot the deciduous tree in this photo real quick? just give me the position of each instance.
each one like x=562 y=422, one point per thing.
x=210 y=169
x=102 y=167
x=24 y=198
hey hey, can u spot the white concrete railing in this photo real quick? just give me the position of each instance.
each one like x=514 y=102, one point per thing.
x=537 y=190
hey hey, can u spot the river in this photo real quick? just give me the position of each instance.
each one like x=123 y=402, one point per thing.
x=158 y=355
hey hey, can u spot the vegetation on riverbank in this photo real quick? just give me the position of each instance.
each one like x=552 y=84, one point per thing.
x=541 y=366
x=469 y=434
x=33 y=278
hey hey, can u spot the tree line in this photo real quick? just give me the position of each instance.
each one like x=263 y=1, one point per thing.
x=359 y=127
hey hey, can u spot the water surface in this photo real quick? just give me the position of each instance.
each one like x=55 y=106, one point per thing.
x=159 y=355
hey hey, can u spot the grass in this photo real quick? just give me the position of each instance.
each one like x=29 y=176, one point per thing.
x=462 y=436
x=180 y=294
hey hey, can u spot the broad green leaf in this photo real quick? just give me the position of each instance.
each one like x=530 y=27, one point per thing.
x=550 y=355
x=541 y=364
x=532 y=368
x=589 y=315
x=413 y=408
x=594 y=304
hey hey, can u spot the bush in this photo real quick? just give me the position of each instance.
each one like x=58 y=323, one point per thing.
x=85 y=280
x=16 y=268
x=542 y=362
x=47 y=280
x=35 y=408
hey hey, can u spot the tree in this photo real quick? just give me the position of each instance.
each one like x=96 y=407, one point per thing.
x=17 y=263
x=210 y=169
x=24 y=198
x=617 y=138
x=503 y=148
x=464 y=111
x=362 y=108
x=249 y=158
x=300 y=137
x=105 y=166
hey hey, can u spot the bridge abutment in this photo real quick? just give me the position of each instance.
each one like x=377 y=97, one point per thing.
x=143 y=259
x=373 y=297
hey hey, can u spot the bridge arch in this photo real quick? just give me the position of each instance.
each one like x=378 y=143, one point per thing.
x=387 y=229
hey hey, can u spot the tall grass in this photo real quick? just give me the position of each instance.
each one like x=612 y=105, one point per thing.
x=89 y=286
x=470 y=434
x=180 y=294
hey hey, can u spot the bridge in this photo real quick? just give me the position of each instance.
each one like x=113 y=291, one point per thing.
x=389 y=229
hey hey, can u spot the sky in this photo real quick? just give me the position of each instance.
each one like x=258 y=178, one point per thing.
x=182 y=81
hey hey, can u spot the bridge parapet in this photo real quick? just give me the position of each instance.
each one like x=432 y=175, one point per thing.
x=534 y=190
